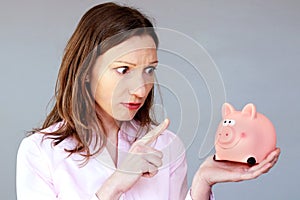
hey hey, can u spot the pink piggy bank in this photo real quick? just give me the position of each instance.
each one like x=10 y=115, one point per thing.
x=244 y=136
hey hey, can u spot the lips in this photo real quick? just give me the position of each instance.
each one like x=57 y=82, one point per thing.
x=132 y=106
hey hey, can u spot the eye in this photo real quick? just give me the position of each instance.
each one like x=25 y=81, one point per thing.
x=150 y=70
x=122 y=70
x=231 y=122
x=225 y=122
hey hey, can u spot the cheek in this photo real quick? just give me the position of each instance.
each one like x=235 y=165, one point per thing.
x=243 y=135
x=104 y=89
x=149 y=86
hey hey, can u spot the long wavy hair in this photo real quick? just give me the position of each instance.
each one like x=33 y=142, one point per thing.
x=74 y=103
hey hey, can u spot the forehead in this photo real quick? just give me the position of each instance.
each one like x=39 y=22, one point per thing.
x=139 y=57
x=135 y=49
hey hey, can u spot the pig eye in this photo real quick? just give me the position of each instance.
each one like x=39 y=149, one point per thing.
x=231 y=122
x=225 y=122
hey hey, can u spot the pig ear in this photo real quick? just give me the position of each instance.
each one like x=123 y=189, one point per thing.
x=250 y=109
x=227 y=109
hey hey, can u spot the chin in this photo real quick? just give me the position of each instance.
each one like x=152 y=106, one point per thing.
x=126 y=117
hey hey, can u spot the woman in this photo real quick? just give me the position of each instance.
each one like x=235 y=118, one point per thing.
x=99 y=141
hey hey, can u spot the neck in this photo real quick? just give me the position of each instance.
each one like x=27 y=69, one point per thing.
x=110 y=125
x=111 y=129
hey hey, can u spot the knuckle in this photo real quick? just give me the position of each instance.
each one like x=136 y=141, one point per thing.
x=160 y=154
x=160 y=163
x=137 y=147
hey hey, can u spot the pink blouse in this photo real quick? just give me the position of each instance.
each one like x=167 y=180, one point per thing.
x=47 y=172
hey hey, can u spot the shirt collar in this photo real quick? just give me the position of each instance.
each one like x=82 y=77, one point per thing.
x=129 y=130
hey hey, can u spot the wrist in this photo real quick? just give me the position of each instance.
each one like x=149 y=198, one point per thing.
x=200 y=189
x=109 y=190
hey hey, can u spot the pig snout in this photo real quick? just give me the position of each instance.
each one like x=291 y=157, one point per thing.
x=227 y=137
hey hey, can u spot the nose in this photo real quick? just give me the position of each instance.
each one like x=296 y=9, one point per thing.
x=138 y=87
x=138 y=91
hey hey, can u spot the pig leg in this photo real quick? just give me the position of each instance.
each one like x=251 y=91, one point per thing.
x=216 y=157
x=251 y=161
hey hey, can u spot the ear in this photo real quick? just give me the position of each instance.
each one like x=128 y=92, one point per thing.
x=227 y=109
x=250 y=109
x=87 y=78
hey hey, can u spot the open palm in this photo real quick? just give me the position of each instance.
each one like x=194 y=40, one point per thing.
x=224 y=171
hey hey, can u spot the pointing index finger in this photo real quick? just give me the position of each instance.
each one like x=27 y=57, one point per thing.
x=152 y=135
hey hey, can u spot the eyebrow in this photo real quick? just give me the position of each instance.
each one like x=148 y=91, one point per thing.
x=129 y=63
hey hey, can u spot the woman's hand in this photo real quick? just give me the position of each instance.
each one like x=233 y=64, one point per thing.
x=142 y=160
x=212 y=172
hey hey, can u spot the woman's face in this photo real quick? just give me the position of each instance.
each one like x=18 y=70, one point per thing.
x=123 y=76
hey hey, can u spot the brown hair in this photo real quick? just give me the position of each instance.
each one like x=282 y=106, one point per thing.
x=74 y=103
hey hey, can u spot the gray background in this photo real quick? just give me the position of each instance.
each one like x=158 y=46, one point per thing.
x=255 y=45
